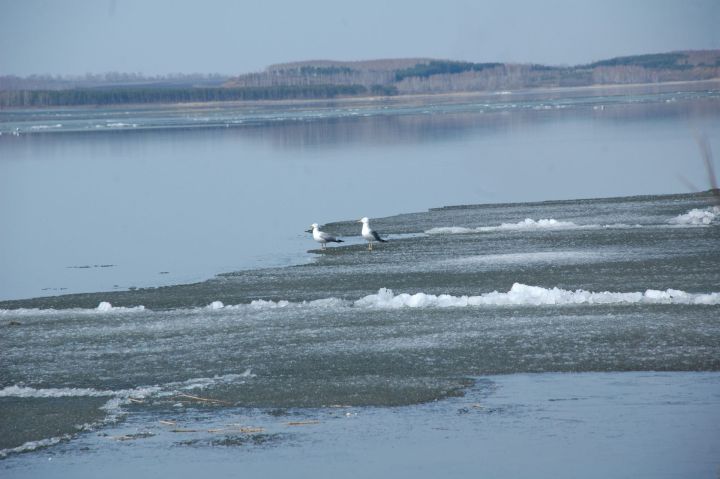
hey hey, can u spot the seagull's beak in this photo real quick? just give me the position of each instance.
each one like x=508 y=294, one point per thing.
x=359 y=221
x=309 y=231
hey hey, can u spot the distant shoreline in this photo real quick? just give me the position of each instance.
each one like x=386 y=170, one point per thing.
x=419 y=98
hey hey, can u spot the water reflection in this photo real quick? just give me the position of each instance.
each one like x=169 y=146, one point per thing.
x=427 y=127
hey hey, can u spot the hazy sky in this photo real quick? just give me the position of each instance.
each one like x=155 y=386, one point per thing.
x=232 y=36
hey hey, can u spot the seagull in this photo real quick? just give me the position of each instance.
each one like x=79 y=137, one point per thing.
x=322 y=237
x=369 y=234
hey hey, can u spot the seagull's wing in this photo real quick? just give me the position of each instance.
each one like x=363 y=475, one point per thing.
x=377 y=236
x=327 y=237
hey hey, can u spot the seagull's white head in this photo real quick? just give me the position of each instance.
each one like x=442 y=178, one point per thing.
x=314 y=225
x=364 y=220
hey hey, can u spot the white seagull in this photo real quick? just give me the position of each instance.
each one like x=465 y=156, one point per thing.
x=369 y=234
x=322 y=237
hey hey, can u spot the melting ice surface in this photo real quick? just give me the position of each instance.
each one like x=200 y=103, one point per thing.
x=413 y=321
x=435 y=333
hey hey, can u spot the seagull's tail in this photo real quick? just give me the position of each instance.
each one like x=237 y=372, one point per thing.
x=339 y=241
x=382 y=240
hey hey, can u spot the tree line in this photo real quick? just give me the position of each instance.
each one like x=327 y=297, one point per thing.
x=437 y=67
x=133 y=95
x=433 y=76
x=107 y=79
x=667 y=61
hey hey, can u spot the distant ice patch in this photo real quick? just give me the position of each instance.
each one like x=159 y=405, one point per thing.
x=451 y=230
x=204 y=383
x=697 y=217
x=528 y=224
x=534 y=257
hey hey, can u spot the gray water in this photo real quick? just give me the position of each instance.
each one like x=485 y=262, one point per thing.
x=457 y=296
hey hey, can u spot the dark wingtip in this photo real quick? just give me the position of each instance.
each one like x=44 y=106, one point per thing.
x=378 y=238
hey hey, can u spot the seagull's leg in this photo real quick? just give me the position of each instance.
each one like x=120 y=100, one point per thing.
x=370 y=246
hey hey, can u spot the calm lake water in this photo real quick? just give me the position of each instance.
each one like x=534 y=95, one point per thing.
x=478 y=332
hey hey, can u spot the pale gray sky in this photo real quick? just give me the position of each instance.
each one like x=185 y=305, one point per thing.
x=230 y=36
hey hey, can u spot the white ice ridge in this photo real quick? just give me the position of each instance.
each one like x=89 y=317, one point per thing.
x=519 y=295
x=30 y=392
x=524 y=295
x=20 y=391
x=698 y=217
x=203 y=383
x=694 y=217
x=263 y=304
x=33 y=445
x=103 y=307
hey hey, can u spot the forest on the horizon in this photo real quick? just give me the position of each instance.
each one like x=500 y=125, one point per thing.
x=331 y=79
